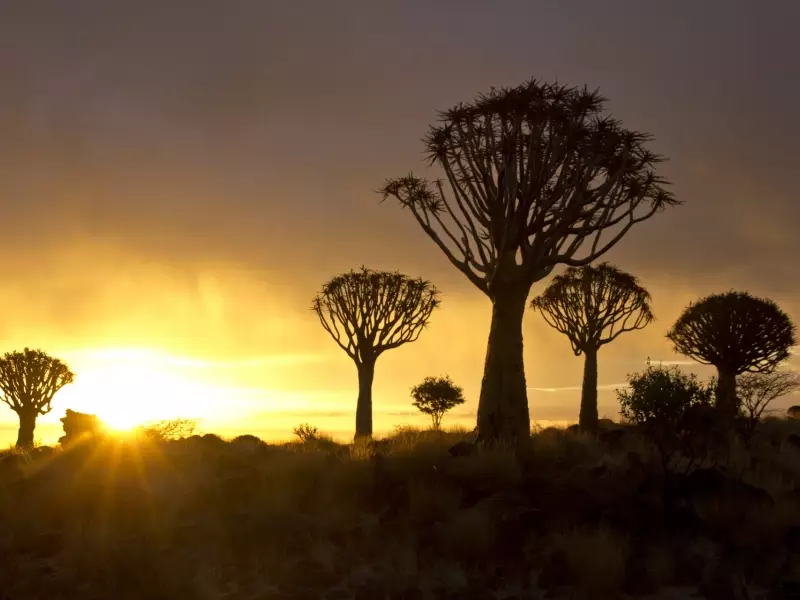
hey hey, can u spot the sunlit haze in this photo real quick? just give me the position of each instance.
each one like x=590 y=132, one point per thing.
x=178 y=179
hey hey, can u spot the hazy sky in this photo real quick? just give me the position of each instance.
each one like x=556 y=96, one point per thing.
x=181 y=176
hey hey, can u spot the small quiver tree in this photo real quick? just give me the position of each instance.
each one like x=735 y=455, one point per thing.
x=28 y=381
x=593 y=306
x=435 y=396
x=369 y=312
x=534 y=176
x=736 y=333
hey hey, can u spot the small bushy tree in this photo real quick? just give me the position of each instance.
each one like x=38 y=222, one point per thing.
x=28 y=381
x=736 y=333
x=663 y=402
x=306 y=432
x=793 y=412
x=435 y=396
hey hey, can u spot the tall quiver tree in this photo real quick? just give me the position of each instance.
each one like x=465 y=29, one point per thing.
x=592 y=306
x=737 y=333
x=368 y=312
x=534 y=176
x=28 y=381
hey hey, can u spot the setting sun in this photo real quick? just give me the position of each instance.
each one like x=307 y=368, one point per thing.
x=127 y=388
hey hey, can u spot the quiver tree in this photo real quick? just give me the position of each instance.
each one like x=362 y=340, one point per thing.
x=736 y=333
x=28 y=381
x=368 y=312
x=534 y=176
x=435 y=396
x=592 y=306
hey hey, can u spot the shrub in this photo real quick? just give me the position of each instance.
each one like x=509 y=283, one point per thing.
x=306 y=432
x=595 y=559
x=435 y=396
x=671 y=408
x=171 y=429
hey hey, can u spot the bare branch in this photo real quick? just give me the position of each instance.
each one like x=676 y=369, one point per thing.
x=368 y=312
x=529 y=168
x=756 y=391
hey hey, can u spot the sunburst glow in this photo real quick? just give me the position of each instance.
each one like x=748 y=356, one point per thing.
x=127 y=388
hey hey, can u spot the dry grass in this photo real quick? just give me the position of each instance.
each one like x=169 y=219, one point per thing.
x=596 y=559
x=206 y=518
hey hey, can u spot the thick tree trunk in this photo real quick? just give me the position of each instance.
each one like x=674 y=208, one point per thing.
x=588 y=414
x=503 y=406
x=366 y=373
x=27 y=423
x=725 y=400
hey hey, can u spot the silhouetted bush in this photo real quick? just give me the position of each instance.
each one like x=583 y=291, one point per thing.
x=793 y=412
x=672 y=410
x=306 y=432
x=172 y=429
x=435 y=396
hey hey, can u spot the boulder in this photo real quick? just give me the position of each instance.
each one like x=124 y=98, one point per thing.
x=462 y=449
x=78 y=426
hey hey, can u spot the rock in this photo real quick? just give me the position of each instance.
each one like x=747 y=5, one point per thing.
x=607 y=424
x=462 y=449
x=573 y=429
x=79 y=425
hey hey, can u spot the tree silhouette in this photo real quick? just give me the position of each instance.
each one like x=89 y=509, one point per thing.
x=435 y=396
x=756 y=391
x=533 y=177
x=736 y=333
x=592 y=306
x=368 y=312
x=28 y=380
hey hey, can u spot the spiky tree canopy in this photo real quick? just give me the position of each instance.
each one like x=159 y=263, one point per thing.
x=30 y=379
x=735 y=332
x=368 y=312
x=592 y=306
x=532 y=175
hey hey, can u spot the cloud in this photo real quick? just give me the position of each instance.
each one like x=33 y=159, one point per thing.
x=608 y=386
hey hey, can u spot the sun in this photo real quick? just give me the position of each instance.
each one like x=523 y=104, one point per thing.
x=126 y=389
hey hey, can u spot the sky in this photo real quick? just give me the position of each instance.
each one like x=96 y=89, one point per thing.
x=179 y=177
